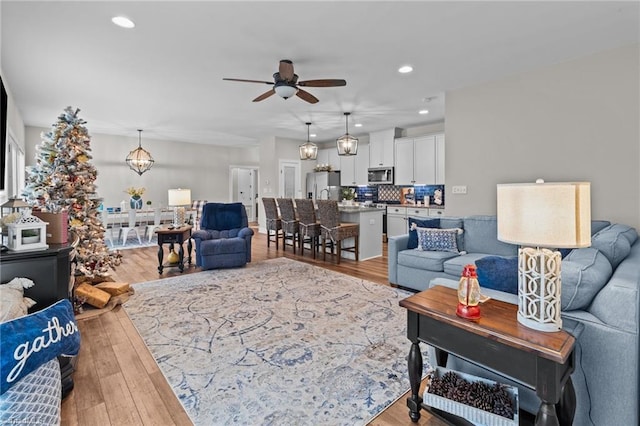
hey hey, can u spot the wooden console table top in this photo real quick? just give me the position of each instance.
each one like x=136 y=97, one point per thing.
x=498 y=321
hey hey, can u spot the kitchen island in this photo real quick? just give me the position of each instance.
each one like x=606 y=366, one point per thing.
x=370 y=221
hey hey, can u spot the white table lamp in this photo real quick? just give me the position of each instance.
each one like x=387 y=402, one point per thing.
x=541 y=216
x=178 y=198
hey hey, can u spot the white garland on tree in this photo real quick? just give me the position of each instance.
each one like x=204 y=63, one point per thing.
x=64 y=179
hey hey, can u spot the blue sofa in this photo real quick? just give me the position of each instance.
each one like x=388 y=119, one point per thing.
x=600 y=307
x=224 y=238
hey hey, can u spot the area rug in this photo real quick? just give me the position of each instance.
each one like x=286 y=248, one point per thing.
x=277 y=342
x=132 y=242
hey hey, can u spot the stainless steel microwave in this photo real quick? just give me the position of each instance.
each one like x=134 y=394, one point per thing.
x=381 y=176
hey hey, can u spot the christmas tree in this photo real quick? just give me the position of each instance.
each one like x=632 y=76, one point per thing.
x=64 y=179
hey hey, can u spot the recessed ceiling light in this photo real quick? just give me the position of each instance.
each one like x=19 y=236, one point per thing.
x=423 y=111
x=405 y=69
x=358 y=125
x=123 y=21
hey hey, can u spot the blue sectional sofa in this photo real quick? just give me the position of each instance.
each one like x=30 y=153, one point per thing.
x=600 y=307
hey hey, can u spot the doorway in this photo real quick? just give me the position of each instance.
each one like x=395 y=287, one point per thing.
x=289 y=179
x=244 y=184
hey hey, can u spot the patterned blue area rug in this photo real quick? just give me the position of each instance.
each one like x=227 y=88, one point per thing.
x=131 y=242
x=277 y=342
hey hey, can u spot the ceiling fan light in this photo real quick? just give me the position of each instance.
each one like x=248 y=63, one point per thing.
x=285 y=91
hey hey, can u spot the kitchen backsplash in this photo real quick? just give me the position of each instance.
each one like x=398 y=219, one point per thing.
x=391 y=193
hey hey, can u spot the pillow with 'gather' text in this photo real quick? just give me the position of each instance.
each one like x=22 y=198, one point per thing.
x=31 y=340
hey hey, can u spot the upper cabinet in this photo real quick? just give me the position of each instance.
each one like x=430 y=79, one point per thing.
x=354 y=168
x=420 y=160
x=329 y=156
x=381 y=147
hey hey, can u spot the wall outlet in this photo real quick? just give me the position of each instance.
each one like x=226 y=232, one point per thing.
x=462 y=189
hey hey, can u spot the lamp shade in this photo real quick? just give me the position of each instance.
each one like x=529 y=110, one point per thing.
x=179 y=197
x=554 y=215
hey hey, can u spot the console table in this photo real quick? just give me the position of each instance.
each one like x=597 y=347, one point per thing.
x=542 y=361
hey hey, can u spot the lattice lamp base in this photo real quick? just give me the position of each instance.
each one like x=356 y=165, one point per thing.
x=539 y=289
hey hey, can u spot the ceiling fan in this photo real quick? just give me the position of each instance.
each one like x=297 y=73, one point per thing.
x=285 y=84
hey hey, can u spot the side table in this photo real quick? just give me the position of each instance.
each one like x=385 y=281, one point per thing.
x=541 y=361
x=173 y=236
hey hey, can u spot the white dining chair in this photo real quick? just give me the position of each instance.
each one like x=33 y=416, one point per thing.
x=129 y=224
x=151 y=227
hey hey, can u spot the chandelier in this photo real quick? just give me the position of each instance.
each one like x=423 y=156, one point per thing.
x=347 y=144
x=309 y=150
x=139 y=160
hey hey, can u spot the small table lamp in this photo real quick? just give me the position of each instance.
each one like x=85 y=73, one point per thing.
x=178 y=198
x=536 y=215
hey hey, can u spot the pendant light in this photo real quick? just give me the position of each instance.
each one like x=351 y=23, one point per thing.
x=139 y=160
x=308 y=151
x=347 y=144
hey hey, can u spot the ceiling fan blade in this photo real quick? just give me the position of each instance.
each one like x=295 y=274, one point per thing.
x=306 y=96
x=248 y=81
x=323 y=83
x=286 y=70
x=265 y=95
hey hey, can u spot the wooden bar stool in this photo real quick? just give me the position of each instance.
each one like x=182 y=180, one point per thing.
x=309 y=225
x=273 y=221
x=290 y=224
x=333 y=230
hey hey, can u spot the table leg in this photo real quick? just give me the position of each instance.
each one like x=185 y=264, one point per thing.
x=189 y=247
x=547 y=415
x=415 y=374
x=566 y=408
x=160 y=255
x=180 y=257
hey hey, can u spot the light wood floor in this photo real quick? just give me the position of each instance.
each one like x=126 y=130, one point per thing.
x=117 y=381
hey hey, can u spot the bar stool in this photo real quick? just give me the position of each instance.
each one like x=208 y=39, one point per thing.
x=273 y=220
x=290 y=224
x=309 y=225
x=332 y=229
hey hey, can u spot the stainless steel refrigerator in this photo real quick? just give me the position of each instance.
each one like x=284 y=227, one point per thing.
x=323 y=185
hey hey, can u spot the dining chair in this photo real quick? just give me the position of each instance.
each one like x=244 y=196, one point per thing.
x=273 y=220
x=105 y=216
x=331 y=229
x=150 y=228
x=290 y=224
x=129 y=224
x=309 y=225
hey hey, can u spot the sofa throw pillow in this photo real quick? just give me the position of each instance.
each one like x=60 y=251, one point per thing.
x=498 y=273
x=13 y=304
x=584 y=272
x=422 y=223
x=613 y=244
x=434 y=239
x=32 y=340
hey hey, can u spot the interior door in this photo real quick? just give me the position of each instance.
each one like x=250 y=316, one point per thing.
x=289 y=179
x=245 y=192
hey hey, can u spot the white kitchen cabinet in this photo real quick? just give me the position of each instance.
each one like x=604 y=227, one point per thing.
x=354 y=168
x=329 y=156
x=381 y=147
x=419 y=160
x=396 y=221
x=436 y=212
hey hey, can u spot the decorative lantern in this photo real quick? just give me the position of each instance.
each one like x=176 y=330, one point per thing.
x=468 y=294
x=27 y=233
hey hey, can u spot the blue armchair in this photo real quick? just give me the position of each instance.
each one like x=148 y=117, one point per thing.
x=224 y=238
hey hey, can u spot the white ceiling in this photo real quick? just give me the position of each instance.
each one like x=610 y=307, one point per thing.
x=165 y=75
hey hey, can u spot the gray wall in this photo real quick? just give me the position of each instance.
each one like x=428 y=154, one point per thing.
x=575 y=121
x=203 y=169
